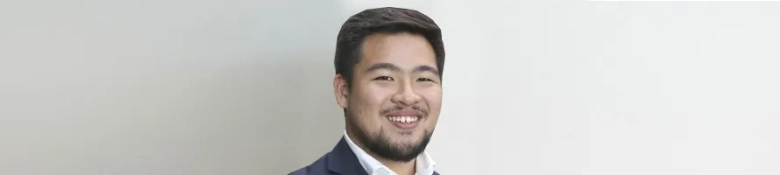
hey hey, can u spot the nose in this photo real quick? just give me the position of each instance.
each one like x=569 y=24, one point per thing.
x=406 y=94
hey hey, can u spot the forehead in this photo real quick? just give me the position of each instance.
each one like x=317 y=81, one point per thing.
x=401 y=49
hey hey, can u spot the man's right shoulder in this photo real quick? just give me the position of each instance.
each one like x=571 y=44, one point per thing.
x=319 y=167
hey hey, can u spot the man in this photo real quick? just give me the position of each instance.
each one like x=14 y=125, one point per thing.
x=389 y=65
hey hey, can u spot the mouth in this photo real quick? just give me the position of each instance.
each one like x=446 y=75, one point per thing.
x=405 y=120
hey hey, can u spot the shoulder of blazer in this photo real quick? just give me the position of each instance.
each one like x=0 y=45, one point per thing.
x=341 y=160
x=319 y=167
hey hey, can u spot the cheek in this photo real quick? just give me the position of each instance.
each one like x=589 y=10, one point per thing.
x=376 y=96
x=432 y=97
x=433 y=100
x=368 y=102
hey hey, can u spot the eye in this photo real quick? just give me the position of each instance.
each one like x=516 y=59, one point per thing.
x=424 y=79
x=384 y=78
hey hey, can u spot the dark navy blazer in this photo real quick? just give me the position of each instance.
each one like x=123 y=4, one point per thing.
x=340 y=161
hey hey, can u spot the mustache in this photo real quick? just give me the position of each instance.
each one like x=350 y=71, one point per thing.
x=399 y=108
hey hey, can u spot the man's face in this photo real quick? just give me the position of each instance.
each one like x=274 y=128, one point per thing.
x=395 y=98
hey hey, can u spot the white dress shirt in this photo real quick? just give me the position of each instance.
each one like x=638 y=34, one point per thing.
x=425 y=165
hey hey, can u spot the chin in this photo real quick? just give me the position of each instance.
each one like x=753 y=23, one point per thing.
x=406 y=139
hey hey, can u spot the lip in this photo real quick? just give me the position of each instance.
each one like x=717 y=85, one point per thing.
x=406 y=126
x=402 y=125
x=406 y=113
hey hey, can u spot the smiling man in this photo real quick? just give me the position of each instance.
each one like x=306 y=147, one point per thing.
x=389 y=65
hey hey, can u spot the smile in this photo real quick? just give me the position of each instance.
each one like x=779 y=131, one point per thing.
x=404 y=122
x=403 y=119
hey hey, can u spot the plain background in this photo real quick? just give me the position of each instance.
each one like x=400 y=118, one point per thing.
x=243 y=87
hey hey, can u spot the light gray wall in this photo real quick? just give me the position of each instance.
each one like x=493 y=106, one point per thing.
x=244 y=87
x=166 y=87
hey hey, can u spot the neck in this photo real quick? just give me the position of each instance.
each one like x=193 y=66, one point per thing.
x=400 y=168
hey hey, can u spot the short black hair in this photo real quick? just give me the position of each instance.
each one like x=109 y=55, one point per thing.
x=383 y=20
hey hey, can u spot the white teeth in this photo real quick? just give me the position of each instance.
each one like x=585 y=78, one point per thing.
x=403 y=119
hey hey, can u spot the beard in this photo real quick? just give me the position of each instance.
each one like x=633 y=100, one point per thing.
x=380 y=144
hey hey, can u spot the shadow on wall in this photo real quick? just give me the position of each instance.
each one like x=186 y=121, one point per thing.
x=300 y=119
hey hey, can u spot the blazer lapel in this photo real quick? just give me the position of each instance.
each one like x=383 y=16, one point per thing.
x=343 y=161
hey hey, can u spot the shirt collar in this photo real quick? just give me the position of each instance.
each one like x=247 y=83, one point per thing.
x=424 y=166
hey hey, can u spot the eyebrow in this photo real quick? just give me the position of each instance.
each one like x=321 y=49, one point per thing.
x=421 y=68
x=425 y=68
x=378 y=66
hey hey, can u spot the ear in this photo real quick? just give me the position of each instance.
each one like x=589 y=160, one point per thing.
x=341 y=90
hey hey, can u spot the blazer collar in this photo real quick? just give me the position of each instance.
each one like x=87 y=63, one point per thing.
x=343 y=161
